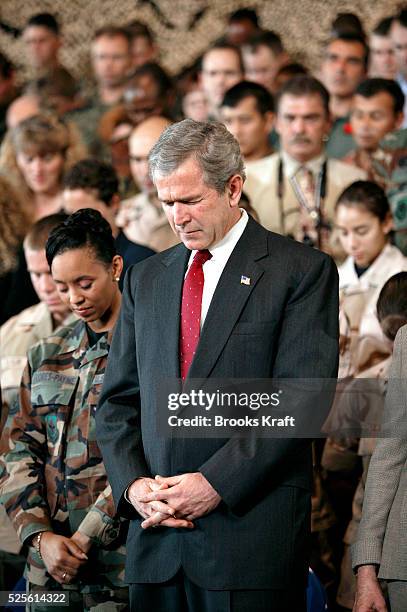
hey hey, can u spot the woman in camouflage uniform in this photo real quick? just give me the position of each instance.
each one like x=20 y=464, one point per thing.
x=54 y=484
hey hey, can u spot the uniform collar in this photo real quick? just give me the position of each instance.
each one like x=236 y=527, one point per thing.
x=369 y=277
x=32 y=316
x=77 y=343
x=291 y=165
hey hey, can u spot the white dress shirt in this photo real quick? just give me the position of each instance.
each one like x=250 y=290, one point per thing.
x=214 y=267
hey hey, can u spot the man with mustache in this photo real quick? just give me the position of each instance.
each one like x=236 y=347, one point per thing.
x=299 y=201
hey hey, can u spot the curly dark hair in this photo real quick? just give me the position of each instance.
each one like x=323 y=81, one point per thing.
x=91 y=174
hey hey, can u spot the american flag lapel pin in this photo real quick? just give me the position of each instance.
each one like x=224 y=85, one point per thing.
x=244 y=280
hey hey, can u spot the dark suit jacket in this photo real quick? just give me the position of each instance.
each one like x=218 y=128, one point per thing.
x=132 y=253
x=282 y=325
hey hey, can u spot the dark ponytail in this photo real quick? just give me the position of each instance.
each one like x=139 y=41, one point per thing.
x=365 y=195
x=85 y=228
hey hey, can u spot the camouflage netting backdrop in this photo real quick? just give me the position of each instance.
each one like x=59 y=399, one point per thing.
x=184 y=28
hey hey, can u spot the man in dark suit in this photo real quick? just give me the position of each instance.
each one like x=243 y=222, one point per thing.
x=231 y=516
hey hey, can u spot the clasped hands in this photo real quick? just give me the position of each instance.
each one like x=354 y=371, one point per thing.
x=174 y=501
x=63 y=557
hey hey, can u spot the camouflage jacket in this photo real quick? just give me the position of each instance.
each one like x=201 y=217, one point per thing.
x=17 y=336
x=53 y=477
x=386 y=167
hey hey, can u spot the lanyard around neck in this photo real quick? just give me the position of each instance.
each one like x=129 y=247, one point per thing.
x=316 y=212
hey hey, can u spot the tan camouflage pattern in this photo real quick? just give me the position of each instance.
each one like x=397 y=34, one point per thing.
x=17 y=336
x=381 y=165
x=52 y=474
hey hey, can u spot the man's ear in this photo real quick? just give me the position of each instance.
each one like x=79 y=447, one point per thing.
x=399 y=119
x=388 y=223
x=269 y=121
x=276 y=123
x=329 y=123
x=234 y=190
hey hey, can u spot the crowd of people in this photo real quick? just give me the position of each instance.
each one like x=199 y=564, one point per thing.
x=325 y=164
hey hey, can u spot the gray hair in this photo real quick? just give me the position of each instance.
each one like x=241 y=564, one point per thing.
x=214 y=148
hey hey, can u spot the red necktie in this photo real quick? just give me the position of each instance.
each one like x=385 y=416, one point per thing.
x=191 y=311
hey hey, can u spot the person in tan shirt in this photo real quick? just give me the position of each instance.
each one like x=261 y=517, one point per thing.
x=141 y=217
x=248 y=112
x=17 y=336
x=303 y=184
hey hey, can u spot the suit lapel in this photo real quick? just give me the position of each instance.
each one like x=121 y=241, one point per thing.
x=230 y=297
x=167 y=307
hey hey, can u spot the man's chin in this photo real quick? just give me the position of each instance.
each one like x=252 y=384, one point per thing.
x=303 y=153
x=366 y=143
x=194 y=241
x=194 y=245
